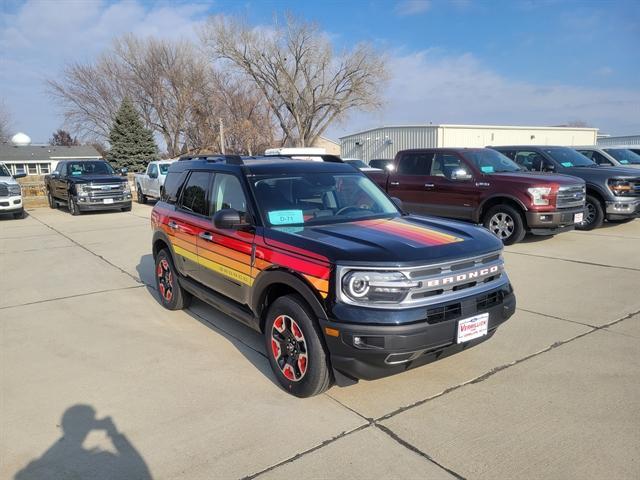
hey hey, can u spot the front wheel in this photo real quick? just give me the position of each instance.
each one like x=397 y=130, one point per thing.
x=506 y=223
x=593 y=214
x=142 y=198
x=73 y=206
x=295 y=349
x=52 y=202
x=172 y=295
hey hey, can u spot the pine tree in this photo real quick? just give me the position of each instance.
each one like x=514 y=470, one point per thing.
x=132 y=145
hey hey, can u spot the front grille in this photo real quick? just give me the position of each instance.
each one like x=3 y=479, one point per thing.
x=571 y=197
x=489 y=300
x=4 y=190
x=636 y=187
x=107 y=190
x=443 y=314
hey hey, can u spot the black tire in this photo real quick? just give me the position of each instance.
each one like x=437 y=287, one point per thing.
x=73 y=206
x=51 y=200
x=172 y=295
x=142 y=198
x=593 y=214
x=300 y=363
x=18 y=215
x=506 y=223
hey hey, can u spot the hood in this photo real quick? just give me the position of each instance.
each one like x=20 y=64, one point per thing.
x=406 y=240
x=535 y=178
x=97 y=178
x=602 y=172
x=8 y=180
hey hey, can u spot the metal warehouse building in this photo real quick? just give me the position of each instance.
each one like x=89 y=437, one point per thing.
x=385 y=142
x=628 y=140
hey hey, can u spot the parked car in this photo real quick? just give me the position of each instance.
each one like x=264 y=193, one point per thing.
x=10 y=193
x=317 y=258
x=85 y=185
x=150 y=183
x=610 y=157
x=360 y=165
x=612 y=193
x=483 y=186
x=381 y=163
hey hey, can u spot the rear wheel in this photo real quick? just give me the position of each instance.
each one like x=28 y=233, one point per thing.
x=593 y=214
x=506 y=223
x=295 y=349
x=172 y=295
x=73 y=206
x=142 y=198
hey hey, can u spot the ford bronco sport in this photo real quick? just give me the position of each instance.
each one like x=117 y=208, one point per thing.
x=322 y=262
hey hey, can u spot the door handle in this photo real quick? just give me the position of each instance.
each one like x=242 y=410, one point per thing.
x=172 y=225
x=206 y=236
x=394 y=184
x=429 y=185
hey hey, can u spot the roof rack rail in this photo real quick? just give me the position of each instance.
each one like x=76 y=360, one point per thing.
x=238 y=160
x=214 y=158
x=324 y=156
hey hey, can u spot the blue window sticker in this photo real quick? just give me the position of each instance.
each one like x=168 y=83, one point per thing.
x=567 y=164
x=286 y=217
x=624 y=161
x=488 y=169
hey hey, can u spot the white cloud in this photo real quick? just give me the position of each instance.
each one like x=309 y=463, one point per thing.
x=40 y=37
x=429 y=87
x=412 y=7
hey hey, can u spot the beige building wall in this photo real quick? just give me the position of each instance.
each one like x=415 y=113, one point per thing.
x=331 y=147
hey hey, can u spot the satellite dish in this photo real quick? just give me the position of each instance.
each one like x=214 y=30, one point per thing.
x=21 y=139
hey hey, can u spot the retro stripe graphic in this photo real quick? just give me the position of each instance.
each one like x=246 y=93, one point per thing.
x=421 y=235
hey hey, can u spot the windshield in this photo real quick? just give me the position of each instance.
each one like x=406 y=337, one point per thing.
x=90 y=168
x=319 y=198
x=357 y=163
x=164 y=168
x=568 y=157
x=624 y=156
x=490 y=161
x=4 y=172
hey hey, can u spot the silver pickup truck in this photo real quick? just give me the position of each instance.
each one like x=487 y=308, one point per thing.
x=150 y=183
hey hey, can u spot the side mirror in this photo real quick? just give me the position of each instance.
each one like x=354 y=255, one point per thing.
x=124 y=171
x=397 y=202
x=19 y=175
x=460 y=175
x=390 y=167
x=227 y=219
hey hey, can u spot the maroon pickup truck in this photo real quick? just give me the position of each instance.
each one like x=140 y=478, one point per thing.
x=483 y=186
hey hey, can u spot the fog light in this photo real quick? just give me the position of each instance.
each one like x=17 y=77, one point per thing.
x=368 y=342
x=545 y=218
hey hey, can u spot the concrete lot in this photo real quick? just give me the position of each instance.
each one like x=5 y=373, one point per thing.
x=97 y=378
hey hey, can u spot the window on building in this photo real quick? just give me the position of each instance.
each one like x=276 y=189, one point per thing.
x=19 y=168
x=45 y=168
x=32 y=168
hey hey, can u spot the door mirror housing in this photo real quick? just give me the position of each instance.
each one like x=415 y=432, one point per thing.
x=460 y=175
x=55 y=174
x=124 y=171
x=227 y=219
x=19 y=175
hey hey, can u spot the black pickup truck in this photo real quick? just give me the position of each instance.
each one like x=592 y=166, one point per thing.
x=85 y=185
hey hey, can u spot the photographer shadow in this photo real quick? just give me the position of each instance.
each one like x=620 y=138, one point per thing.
x=67 y=458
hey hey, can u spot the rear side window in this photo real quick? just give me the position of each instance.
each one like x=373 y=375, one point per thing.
x=194 y=193
x=173 y=186
x=415 y=164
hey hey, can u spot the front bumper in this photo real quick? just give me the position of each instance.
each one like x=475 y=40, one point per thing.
x=11 y=204
x=392 y=349
x=89 y=204
x=550 y=223
x=623 y=208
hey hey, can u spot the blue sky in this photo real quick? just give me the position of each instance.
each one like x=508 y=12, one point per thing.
x=524 y=62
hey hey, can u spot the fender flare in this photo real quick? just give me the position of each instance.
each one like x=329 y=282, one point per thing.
x=286 y=277
x=496 y=196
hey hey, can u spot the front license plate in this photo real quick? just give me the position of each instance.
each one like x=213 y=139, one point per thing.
x=107 y=200
x=473 y=327
x=578 y=218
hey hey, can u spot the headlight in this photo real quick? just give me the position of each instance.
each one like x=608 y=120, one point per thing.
x=540 y=195
x=620 y=187
x=14 y=189
x=376 y=286
x=126 y=187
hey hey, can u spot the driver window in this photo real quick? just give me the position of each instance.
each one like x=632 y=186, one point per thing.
x=532 y=161
x=444 y=164
x=228 y=193
x=153 y=169
x=601 y=159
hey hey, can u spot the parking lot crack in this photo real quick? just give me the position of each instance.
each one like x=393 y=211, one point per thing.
x=557 y=318
x=109 y=290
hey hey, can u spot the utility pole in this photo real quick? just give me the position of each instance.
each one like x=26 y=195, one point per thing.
x=221 y=137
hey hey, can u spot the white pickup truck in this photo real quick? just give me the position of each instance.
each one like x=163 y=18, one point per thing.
x=150 y=183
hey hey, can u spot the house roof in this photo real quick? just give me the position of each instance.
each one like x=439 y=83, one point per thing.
x=15 y=153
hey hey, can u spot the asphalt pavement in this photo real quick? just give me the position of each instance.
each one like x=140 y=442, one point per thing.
x=97 y=380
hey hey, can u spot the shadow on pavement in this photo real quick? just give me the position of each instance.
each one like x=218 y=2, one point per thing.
x=242 y=337
x=67 y=458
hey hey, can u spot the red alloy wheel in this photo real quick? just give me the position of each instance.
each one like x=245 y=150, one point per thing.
x=165 y=280
x=289 y=348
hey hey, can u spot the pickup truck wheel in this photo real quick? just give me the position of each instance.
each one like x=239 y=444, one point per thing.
x=142 y=198
x=505 y=223
x=593 y=214
x=73 y=206
x=52 y=202
x=172 y=295
x=294 y=346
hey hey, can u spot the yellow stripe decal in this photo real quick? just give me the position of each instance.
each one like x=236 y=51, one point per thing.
x=216 y=267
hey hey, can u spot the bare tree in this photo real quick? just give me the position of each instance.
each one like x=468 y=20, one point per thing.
x=5 y=122
x=305 y=84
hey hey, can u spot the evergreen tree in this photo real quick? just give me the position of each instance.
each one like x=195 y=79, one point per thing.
x=132 y=145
